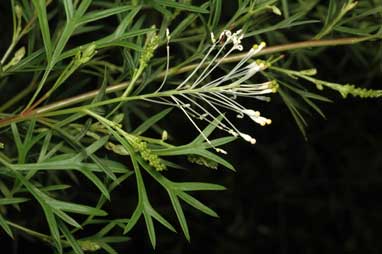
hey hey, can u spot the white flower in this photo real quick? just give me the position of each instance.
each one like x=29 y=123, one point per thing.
x=204 y=100
x=255 y=116
x=219 y=150
x=248 y=138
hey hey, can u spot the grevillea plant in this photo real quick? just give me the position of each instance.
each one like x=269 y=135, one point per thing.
x=87 y=88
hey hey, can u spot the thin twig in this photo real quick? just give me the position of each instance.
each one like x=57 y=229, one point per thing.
x=279 y=48
x=176 y=71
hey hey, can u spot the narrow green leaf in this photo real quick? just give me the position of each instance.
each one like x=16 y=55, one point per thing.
x=53 y=227
x=76 y=208
x=49 y=215
x=285 y=8
x=91 y=149
x=97 y=182
x=161 y=9
x=10 y=201
x=315 y=107
x=296 y=115
x=220 y=141
x=72 y=241
x=40 y=7
x=45 y=147
x=126 y=21
x=159 y=217
x=133 y=219
x=107 y=248
x=208 y=130
x=197 y=204
x=179 y=213
x=151 y=121
x=69 y=9
x=64 y=217
x=188 y=150
x=96 y=15
x=150 y=229
x=84 y=5
x=183 y=25
x=63 y=163
x=29 y=134
x=27 y=62
x=17 y=138
x=56 y=187
x=196 y=186
x=216 y=6
x=87 y=29
x=286 y=23
x=108 y=41
x=5 y=226
x=115 y=239
x=214 y=157
x=77 y=145
x=109 y=226
x=181 y=6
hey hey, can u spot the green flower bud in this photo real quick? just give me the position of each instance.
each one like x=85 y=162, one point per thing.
x=89 y=246
x=202 y=161
x=85 y=55
x=20 y=53
x=18 y=11
x=147 y=154
x=152 y=43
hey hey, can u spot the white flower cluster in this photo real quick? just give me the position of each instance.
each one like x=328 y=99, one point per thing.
x=204 y=100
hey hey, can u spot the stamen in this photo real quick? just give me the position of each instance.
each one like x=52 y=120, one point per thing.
x=213 y=40
x=217 y=96
x=247 y=138
x=167 y=60
x=198 y=67
x=192 y=121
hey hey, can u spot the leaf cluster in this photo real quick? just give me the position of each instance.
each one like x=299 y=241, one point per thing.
x=76 y=80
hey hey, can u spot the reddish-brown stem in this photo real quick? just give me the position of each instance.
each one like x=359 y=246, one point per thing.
x=234 y=58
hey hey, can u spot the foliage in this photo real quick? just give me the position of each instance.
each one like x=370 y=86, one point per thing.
x=93 y=90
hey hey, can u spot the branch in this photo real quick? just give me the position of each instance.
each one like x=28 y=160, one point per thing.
x=281 y=48
x=176 y=71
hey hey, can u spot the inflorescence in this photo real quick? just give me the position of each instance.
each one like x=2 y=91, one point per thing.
x=206 y=100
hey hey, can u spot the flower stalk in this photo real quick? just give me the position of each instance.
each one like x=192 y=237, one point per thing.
x=54 y=106
x=206 y=100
